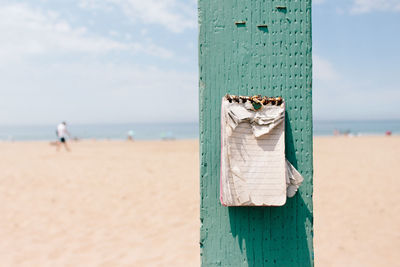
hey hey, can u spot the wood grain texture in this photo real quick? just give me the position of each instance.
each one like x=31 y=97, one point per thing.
x=272 y=60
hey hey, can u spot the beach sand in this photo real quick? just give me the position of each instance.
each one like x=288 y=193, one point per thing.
x=115 y=203
x=357 y=201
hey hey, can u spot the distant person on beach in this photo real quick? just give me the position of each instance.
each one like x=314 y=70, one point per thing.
x=62 y=134
x=336 y=132
x=131 y=135
x=167 y=136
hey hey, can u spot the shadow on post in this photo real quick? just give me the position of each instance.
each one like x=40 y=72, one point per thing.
x=275 y=236
x=265 y=241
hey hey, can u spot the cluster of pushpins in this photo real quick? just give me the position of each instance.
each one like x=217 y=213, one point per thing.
x=257 y=101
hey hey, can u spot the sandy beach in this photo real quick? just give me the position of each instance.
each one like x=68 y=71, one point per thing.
x=115 y=203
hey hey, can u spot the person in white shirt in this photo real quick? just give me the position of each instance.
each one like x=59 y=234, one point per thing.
x=62 y=134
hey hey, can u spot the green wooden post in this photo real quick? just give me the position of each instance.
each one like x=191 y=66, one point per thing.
x=248 y=59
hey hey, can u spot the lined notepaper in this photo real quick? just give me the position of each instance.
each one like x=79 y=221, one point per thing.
x=257 y=165
x=253 y=169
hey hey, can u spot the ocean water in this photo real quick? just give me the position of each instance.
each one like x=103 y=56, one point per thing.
x=176 y=130
x=141 y=131
x=365 y=127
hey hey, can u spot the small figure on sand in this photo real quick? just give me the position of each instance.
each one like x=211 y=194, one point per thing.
x=131 y=135
x=165 y=136
x=336 y=132
x=62 y=134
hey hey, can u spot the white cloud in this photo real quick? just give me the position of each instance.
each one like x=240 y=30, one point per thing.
x=323 y=70
x=174 y=15
x=80 y=85
x=352 y=98
x=88 y=92
x=366 y=6
x=28 y=31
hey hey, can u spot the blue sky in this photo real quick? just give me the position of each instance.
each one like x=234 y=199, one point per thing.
x=89 y=61
x=356 y=59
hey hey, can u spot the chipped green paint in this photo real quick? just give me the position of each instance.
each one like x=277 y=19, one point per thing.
x=267 y=53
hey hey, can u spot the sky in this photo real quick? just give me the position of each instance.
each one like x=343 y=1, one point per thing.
x=117 y=61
